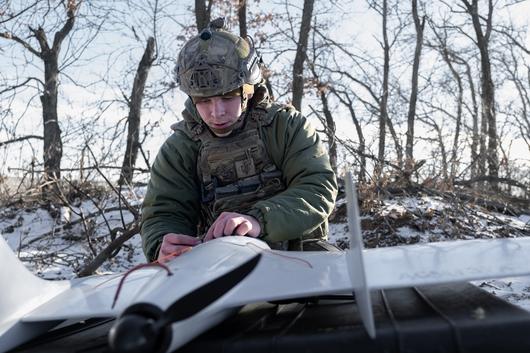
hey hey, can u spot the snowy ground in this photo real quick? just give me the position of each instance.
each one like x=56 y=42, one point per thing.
x=53 y=249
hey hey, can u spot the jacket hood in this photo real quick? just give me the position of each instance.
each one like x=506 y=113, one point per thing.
x=190 y=112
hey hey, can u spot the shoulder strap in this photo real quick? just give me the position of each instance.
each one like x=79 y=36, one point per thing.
x=264 y=115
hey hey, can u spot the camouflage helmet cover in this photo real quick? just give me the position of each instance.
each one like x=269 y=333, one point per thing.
x=216 y=62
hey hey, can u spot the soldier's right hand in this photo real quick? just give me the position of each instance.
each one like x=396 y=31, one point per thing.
x=174 y=245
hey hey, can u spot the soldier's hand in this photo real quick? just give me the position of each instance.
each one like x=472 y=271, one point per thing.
x=232 y=223
x=174 y=245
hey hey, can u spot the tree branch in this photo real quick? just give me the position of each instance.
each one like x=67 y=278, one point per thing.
x=21 y=84
x=71 y=7
x=21 y=41
x=18 y=139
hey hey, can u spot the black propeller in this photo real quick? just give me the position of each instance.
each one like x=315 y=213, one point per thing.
x=143 y=327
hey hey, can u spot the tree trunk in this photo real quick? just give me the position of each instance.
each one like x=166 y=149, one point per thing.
x=346 y=100
x=486 y=82
x=301 y=48
x=458 y=123
x=449 y=58
x=242 y=18
x=383 y=104
x=202 y=14
x=419 y=26
x=442 y=152
x=330 y=131
x=475 y=142
x=134 y=117
x=482 y=142
x=53 y=146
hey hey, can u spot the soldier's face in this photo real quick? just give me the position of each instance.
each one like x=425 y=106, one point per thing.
x=220 y=113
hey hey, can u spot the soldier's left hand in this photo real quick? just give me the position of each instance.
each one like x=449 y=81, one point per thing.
x=232 y=223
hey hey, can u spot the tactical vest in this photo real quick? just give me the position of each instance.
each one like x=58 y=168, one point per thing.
x=234 y=171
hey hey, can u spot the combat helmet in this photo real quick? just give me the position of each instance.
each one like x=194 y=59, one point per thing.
x=216 y=62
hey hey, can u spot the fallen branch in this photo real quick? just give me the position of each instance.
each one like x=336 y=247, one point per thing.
x=505 y=206
x=494 y=205
x=499 y=203
x=491 y=179
x=106 y=253
x=72 y=223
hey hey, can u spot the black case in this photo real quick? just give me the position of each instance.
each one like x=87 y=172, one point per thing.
x=443 y=318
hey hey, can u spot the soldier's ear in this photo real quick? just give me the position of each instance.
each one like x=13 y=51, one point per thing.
x=245 y=98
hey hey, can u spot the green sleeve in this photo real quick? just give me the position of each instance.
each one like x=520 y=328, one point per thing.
x=296 y=149
x=171 y=203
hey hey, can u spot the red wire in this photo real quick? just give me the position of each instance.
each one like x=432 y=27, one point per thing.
x=137 y=267
x=156 y=263
x=160 y=263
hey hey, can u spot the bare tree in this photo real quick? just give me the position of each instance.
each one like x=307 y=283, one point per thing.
x=383 y=103
x=301 y=52
x=513 y=65
x=442 y=155
x=345 y=99
x=517 y=70
x=477 y=142
x=143 y=76
x=486 y=81
x=134 y=116
x=49 y=54
x=451 y=58
x=419 y=25
x=344 y=85
x=330 y=127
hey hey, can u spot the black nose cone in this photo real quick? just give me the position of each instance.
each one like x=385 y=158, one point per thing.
x=133 y=333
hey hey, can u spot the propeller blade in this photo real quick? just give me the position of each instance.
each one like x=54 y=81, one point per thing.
x=200 y=298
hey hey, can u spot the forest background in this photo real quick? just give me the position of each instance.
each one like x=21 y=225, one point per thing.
x=414 y=97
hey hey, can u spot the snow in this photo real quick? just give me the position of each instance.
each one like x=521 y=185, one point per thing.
x=53 y=249
x=514 y=290
x=408 y=234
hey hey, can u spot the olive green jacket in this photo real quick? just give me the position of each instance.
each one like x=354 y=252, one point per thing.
x=172 y=201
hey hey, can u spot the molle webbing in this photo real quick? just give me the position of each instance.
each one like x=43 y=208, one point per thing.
x=236 y=171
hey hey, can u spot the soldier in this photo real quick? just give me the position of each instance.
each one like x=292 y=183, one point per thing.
x=237 y=164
